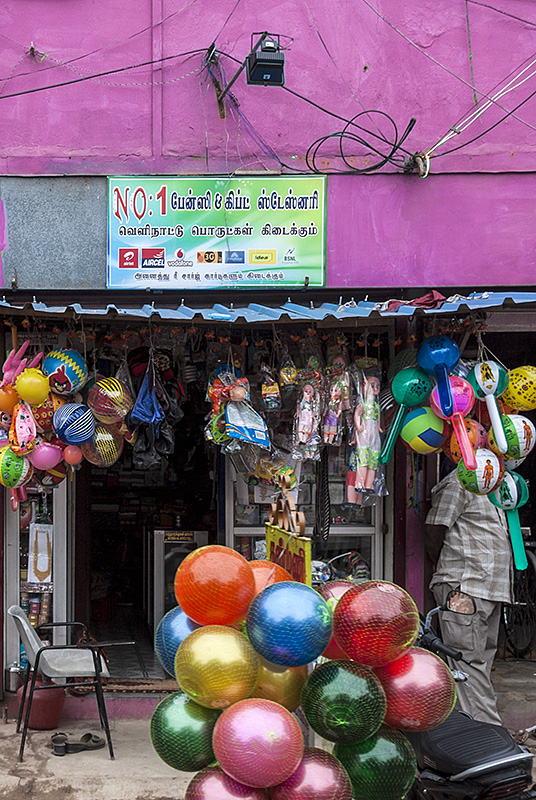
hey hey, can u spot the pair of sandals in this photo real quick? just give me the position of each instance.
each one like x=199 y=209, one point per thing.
x=62 y=744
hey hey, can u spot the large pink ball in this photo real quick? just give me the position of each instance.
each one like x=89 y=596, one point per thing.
x=320 y=776
x=257 y=742
x=213 y=784
x=45 y=456
x=420 y=690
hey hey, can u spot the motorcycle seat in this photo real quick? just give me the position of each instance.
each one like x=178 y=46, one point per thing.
x=461 y=743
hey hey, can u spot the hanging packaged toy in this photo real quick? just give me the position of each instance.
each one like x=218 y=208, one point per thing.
x=364 y=476
x=306 y=434
x=271 y=396
x=332 y=423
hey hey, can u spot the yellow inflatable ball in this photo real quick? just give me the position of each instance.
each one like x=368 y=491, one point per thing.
x=104 y=448
x=521 y=390
x=216 y=666
x=32 y=386
x=281 y=687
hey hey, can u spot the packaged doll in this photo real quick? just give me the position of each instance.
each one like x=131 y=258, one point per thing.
x=365 y=441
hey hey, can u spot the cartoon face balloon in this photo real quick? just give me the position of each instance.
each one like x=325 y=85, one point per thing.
x=66 y=371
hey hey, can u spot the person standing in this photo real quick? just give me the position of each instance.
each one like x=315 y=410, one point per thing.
x=468 y=541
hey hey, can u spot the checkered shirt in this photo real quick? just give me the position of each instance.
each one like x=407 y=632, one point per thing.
x=476 y=553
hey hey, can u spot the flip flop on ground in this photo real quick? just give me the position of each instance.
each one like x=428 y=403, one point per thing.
x=61 y=744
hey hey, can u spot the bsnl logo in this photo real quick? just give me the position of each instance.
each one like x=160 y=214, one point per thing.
x=150 y=257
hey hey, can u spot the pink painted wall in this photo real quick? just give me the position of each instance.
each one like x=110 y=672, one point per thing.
x=164 y=118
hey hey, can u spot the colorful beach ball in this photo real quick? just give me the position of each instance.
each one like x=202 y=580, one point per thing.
x=66 y=371
x=110 y=400
x=521 y=390
x=14 y=470
x=520 y=437
x=104 y=448
x=74 y=423
x=423 y=431
x=486 y=477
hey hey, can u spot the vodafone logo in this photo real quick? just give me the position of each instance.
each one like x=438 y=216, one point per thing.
x=179 y=253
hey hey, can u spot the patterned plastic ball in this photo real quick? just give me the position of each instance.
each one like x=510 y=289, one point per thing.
x=320 y=776
x=520 y=437
x=266 y=573
x=376 y=622
x=486 y=477
x=512 y=493
x=170 y=633
x=212 y=783
x=343 y=701
x=216 y=666
x=521 y=390
x=420 y=690
x=289 y=624
x=104 y=448
x=74 y=423
x=380 y=768
x=423 y=431
x=214 y=585
x=181 y=732
x=32 y=386
x=332 y=591
x=66 y=371
x=258 y=743
x=44 y=414
x=283 y=687
x=15 y=470
x=110 y=400
x=478 y=436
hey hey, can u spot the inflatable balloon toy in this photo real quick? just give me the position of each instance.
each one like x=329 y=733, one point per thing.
x=463 y=400
x=319 y=776
x=170 y=633
x=267 y=573
x=212 y=782
x=486 y=477
x=32 y=386
x=283 y=687
x=343 y=701
x=74 y=423
x=520 y=437
x=332 y=591
x=44 y=414
x=110 y=400
x=15 y=364
x=410 y=388
x=437 y=356
x=72 y=455
x=216 y=666
x=521 y=390
x=66 y=371
x=513 y=493
x=8 y=398
x=22 y=431
x=104 y=448
x=489 y=380
x=258 y=743
x=478 y=436
x=181 y=732
x=423 y=431
x=15 y=472
x=45 y=455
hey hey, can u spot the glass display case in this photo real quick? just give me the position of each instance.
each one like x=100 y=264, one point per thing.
x=35 y=567
x=352 y=527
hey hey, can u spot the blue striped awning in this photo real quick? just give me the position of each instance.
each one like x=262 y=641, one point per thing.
x=290 y=310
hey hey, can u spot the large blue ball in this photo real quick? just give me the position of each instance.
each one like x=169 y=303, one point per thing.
x=289 y=623
x=172 y=630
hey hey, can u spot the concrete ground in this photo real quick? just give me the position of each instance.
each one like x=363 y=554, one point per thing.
x=138 y=773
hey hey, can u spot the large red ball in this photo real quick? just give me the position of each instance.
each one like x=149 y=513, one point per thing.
x=420 y=690
x=375 y=622
x=214 y=585
x=320 y=776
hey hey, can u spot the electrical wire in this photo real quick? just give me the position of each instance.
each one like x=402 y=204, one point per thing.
x=227 y=20
x=434 y=60
x=505 y=13
x=101 y=74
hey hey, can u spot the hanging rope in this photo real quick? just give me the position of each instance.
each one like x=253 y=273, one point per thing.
x=323 y=502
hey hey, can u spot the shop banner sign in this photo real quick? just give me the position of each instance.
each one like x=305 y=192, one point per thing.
x=293 y=553
x=206 y=233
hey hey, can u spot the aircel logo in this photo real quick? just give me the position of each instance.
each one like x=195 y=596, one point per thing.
x=153 y=257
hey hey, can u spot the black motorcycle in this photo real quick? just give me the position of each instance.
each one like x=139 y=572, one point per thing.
x=463 y=758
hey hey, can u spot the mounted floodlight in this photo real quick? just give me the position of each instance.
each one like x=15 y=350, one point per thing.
x=265 y=65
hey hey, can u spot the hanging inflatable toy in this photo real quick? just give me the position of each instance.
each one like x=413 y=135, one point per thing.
x=478 y=436
x=511 y=495
x=74 y=423
x=519 y=439
x=486 y=477
x=437 y=355
x=423 y=431
x=66 y=371
x=8 y=398
x=15 y=364
x=521 y=390
x=110 y=400
x=410 y=388
x=32 y=386
x=44 y=414
x=15 y=471
x=489 y=381
x=463 y=400
x=104 y=448
x=22 y=431
x=45 y=455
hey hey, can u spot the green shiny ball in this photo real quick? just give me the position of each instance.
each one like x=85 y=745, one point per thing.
x=181 y=732
x=343 y=701
x=382 y=767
